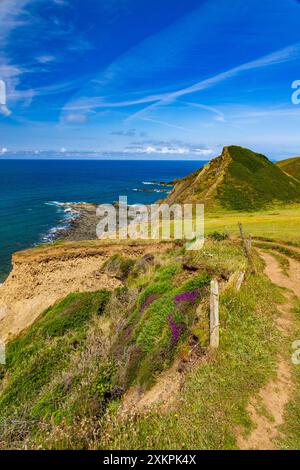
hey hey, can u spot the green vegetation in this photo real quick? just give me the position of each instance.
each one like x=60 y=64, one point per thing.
x=118 y=266
x=66 y=376
x=218 y=236
x=280 y=223
x=291 y=166
x=35 y=385
x=162 y=324
x=281 y=249
x=291 y=427
x=239 y=180
x=214 y=400
x=253 y=182
x=83 y=353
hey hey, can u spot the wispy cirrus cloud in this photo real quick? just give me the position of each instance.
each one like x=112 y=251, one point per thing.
x=286 y=54
x=45 y=59
x=154 y=101
x=127 y=133
x=26 y=14
x=61 y=2
x=97 y=74
x=195 y=41
x=76 y=118
x=12 y=16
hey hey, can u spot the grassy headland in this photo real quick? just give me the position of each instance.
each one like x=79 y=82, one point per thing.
x=131 y=368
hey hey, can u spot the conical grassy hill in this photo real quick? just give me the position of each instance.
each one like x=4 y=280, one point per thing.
x=238 y=179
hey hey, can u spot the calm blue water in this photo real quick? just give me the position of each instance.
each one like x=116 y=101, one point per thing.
x=27 y=187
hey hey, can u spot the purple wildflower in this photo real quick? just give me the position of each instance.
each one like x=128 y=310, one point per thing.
x=176 y=329
x=188 y=296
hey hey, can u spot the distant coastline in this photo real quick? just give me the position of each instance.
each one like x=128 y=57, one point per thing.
x=82 y=223
x=35 y=197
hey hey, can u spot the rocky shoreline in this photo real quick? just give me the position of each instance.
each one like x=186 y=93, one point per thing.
x=84 y=223
x=82 y=226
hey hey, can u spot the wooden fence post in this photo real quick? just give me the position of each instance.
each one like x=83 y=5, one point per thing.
x=244 y=245
x=2 y=352
x=240 y=280
x=250 y=243
x=214 y=314
x=247 y=248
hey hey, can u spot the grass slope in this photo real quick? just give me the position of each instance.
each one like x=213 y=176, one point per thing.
x=278 y=223
x=65 y=375
x=32 y=385
x=214 y=399
x=85 y=352
x=238 y=180
x=291 y=166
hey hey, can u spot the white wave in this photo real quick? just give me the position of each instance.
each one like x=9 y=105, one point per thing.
x=69 y=214
x=151 y=190
x=156 y=183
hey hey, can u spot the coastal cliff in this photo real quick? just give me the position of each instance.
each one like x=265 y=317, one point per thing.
x=42 y=276
x=108 y=343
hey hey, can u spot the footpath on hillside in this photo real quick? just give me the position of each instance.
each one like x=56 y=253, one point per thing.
x=276 y=395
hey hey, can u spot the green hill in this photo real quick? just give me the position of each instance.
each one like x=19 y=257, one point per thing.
x=238 y=179
x=291 y=166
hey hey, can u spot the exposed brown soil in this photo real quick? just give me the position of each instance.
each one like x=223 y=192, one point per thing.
x=42 y=276
x=274 y=272
x=267 y=409
x=163 y=394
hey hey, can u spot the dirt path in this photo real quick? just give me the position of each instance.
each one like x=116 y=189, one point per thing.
x=267 y=409
x=163 y=394
x=273 y=271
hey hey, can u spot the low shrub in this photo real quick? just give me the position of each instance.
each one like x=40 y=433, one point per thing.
x=218 y=236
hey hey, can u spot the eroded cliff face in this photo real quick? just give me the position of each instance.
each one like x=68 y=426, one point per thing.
x=42 y=276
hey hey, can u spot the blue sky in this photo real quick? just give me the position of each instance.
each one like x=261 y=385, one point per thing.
x=150 y=78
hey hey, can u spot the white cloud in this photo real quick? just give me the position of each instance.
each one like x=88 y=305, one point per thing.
x=219 y=116
x=80 y=45
x=4 y=110
x=45 y=59
x=153 y=101
x=169 y=149
x=75 y=118
x=12 y=15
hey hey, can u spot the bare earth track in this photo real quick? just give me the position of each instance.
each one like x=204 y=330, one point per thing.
x=274 y=397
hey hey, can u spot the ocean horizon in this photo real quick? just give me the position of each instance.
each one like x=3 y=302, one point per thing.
x=33 y=191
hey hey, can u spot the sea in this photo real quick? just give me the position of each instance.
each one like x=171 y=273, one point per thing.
x=32 y=194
